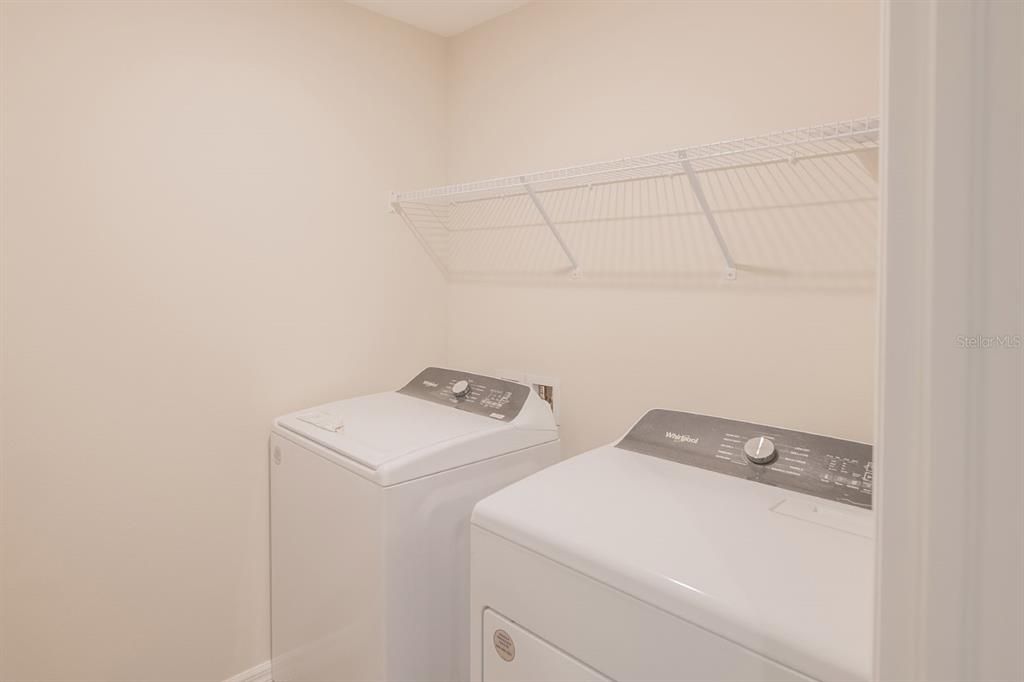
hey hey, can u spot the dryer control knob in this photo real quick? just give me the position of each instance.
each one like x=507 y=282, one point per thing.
x=460 y=389
x=760 y=450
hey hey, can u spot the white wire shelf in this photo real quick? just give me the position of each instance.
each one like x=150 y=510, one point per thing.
x=664 y=214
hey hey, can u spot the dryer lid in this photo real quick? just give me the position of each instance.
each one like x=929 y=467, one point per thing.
x=423 y=428
x=781 y=572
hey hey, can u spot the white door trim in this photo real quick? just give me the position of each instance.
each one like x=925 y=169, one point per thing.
x=950 y=603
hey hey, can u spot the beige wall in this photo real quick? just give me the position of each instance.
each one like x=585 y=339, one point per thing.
x=194 y=240
x=562 y=83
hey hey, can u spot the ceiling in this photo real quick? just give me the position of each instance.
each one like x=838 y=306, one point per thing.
x=446 y=18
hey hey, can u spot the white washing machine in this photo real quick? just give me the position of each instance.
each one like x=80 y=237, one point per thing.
x=370 y=504
x=696 y=548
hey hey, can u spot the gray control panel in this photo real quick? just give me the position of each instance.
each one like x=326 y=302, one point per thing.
x=839 y=470
x=487 y=396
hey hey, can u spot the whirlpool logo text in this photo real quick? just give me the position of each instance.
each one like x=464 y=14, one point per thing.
x=681 y=437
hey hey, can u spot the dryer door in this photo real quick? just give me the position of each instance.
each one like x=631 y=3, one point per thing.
x=512 y=654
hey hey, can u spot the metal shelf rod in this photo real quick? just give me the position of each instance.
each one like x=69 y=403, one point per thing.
x=765 y=144
x=646 y=178
x=492 y=224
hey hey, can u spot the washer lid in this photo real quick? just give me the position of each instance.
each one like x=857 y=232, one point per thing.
x=395 y=436
x=782 y=573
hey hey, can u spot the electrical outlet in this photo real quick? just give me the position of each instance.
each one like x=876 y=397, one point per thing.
x=547 y=387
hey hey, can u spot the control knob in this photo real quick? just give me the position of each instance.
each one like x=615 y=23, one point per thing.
x=460 y=389
x=760 y=450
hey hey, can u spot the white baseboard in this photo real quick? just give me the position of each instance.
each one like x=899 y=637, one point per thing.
x=258 y=673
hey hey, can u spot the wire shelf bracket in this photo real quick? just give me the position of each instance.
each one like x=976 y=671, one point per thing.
x=396 y=207
x=698 y=192
x=551 y=226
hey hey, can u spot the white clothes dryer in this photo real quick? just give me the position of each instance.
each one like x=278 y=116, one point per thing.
x=695 y=548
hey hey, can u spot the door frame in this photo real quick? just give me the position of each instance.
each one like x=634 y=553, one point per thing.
x=949 y=598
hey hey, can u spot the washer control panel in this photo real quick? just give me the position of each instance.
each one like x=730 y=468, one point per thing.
x=487 y=396
x=839 y=470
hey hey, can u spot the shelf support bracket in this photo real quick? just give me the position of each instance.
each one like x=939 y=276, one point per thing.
x=396 y=206
x=698 y=191
x=551 y=226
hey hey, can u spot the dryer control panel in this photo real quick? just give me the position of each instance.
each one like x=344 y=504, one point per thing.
x=834 y=469
x=487 y=396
